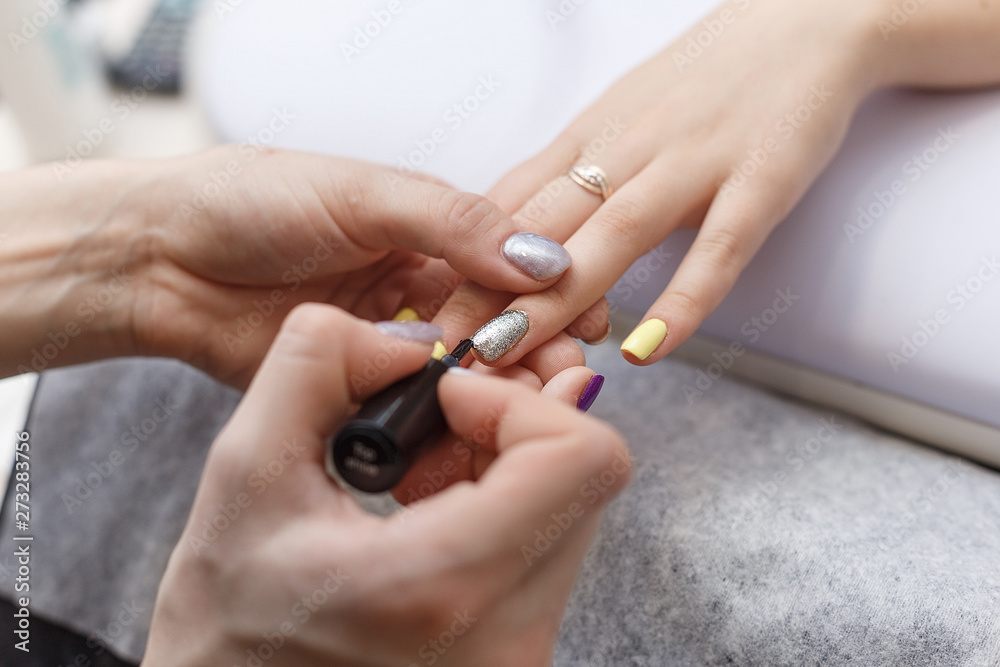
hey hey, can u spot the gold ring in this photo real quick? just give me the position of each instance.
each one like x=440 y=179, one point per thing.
x=592 y=179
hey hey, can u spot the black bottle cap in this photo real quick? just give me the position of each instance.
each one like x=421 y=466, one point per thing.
x=373 y=450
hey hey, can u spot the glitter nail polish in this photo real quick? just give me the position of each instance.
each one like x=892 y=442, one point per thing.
x=495 y=338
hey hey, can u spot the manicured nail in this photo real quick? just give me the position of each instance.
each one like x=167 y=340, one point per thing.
x=458 y=370
x=646 y=337
x=439 y=350
x=602 y=339
x=538 y=256
x=590 y=393
x=495 y=338
x=420 y=332
x=406 y=315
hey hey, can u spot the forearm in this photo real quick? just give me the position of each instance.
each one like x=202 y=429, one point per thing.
x=65 y=254
x=941 y=43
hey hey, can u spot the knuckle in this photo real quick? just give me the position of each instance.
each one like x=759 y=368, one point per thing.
x=685 y=300
x=721 y=247
x=624 y=218
x=468 y=217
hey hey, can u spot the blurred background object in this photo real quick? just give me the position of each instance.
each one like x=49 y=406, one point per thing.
x=95 y=78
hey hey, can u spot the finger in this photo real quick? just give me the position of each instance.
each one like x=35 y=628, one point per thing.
x=321 y=363
x=562 y=205
x=552 y=357
x=737 y=224
x=456 y=459
x=593 y=327
x=628 y=225
x=548 y=456
x=473 y=235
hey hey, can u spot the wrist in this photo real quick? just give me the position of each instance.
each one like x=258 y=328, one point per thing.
x=67 y=265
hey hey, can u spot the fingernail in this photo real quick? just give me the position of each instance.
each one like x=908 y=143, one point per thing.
x=420 y=332
x=406 y=315
x=646 y=337
x=538 y=256
x=590 y=393
x=495 y=338
x=458 y=370
x=439 y=350
x=602 y=339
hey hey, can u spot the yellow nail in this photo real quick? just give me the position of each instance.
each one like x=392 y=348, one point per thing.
x=439 y=351
x=646 y=337
x=406 y=315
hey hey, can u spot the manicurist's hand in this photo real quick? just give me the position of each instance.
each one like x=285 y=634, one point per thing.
x=277 y=562
x=201 y=257
x=724 y=136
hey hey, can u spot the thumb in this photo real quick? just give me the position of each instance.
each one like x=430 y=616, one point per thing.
x=322 y=361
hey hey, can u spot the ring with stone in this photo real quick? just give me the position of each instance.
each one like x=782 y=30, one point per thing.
x=592 y=179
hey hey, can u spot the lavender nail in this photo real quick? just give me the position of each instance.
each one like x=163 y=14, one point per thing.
x=420 y=332
x=590 y=393
x=538 y=256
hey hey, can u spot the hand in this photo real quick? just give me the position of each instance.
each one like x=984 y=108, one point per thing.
x=725 y=136
x=200 y=258
x=276 y=561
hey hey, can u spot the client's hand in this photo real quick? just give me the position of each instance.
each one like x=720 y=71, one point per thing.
x=723 y=131
x=201 y=257
x=278 y=565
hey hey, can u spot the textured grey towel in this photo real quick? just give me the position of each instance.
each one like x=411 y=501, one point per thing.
x=757 y=530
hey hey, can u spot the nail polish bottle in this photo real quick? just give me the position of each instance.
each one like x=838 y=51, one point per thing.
x=373 y=450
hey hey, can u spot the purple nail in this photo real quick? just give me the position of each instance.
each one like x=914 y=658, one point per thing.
x=590 y=393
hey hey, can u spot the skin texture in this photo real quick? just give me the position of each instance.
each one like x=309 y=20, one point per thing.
x=125 y=258
x=391 y=591
x=692 y=123
x=121 y=259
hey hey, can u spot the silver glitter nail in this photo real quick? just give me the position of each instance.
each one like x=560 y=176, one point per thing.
x=495 y=338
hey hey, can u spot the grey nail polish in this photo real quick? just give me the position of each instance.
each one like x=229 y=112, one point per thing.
x=538 y=256
x=495 y=338
x=420 y=332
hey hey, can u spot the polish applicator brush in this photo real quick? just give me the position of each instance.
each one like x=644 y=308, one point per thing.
x=373 y=450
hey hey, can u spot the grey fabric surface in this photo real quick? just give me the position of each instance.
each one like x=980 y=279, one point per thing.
x=756 y=531
x=97 y=557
